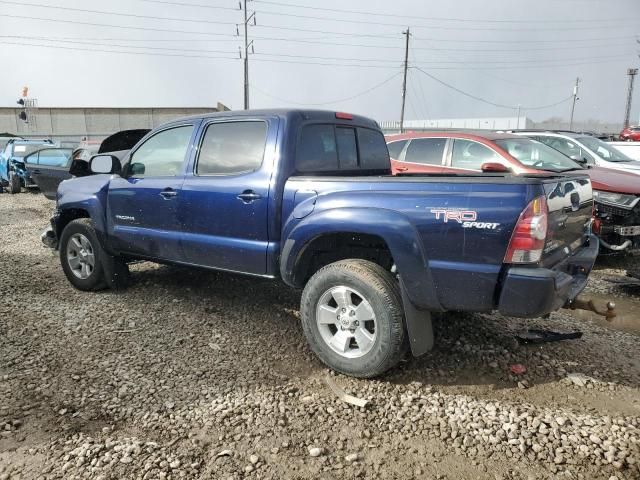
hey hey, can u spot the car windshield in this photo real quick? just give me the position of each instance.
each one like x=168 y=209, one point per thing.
x=603 y=150
x=537 y=155
x=23 y=150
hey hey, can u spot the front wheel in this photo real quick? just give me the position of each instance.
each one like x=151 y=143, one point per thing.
x=81 y=255
x=352 y=317
x=15 y=186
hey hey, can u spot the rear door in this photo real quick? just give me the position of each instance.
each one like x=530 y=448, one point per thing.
x=142 y=212
x=48 y=168
x=422 y=155
x=224 y=203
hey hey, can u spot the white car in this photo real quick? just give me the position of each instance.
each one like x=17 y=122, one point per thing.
x=630 y=149
x=585 y=149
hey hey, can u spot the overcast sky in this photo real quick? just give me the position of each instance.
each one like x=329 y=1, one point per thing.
x=313 y=53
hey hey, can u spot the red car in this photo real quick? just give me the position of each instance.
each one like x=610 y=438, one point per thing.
x=448 y=152
x=630 y=134
x=616 y=192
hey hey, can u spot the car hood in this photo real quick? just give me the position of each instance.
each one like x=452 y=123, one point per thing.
x=617 y=181
x=123 y=140
x=80 y=189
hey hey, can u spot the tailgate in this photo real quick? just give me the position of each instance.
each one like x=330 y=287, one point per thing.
x=570 y=202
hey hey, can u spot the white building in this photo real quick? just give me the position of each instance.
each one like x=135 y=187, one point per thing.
x=489 y=123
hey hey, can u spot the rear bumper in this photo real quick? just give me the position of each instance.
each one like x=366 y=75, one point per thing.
x=535 y=292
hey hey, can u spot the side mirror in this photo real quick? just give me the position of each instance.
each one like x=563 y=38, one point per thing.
x=494 y=167
x=104 y=164
x=136 y=169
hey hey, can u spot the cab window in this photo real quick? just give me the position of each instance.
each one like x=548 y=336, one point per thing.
x=163 y=154
x=231 y=148
x=395 y=148
x=428 y=151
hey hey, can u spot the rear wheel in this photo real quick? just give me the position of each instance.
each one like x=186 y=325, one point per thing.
x=352 y=318
x=15 y=185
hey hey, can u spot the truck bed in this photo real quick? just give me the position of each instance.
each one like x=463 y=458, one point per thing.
x=463 y=257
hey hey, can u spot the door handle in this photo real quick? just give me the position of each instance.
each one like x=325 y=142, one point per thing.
x=402 y=169
x=249 y=196
x=168 y=193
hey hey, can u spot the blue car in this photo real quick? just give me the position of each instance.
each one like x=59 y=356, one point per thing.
x=13 y=172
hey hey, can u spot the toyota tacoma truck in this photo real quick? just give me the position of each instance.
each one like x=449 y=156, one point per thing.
x=307 y=197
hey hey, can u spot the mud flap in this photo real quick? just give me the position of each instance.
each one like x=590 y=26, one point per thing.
x=419 y=325
x=116 y=272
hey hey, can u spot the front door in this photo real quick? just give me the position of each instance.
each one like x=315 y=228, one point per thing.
x=224 y=203
x=143 y=202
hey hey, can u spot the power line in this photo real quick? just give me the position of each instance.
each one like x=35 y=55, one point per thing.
x=570 y=40
x=422 y=101
x=62 y=47
x=553 y=62
x=450 y=19
x=146 y=29
x=340 y=100
x=483 y=100
x=358 y=65
x=359 y=59
x=441 y=27
x=102 y=12
x=200 y=5
x=306 y=30
x=120 y=45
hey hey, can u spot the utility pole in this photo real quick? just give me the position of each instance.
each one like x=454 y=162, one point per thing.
x=247 y=44
x=632 y=72
x=404 y=80
x=573 y=105
x=518 y=120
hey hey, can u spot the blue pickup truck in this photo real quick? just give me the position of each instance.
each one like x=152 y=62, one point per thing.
x=307 y=197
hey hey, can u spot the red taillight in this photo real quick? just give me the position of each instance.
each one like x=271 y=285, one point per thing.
x=344 y=116
x=528 y=238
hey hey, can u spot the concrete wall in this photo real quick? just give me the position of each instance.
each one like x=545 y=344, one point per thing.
x=72 y=124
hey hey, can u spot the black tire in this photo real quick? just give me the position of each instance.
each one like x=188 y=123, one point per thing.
x=15 y=185
x=381 y=290
x=95 y=280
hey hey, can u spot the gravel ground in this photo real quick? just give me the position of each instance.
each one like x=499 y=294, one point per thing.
x=191 y=374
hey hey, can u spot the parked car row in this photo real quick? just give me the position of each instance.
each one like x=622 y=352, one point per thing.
x=44 y=164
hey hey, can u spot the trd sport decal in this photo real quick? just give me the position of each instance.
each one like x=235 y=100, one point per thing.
x=466 y=218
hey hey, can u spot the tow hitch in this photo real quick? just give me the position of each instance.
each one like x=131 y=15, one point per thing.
x=580 y=303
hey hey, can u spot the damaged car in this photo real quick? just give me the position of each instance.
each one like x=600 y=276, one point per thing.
x=13 y=172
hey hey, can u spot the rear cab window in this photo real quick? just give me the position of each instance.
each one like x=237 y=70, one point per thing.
x=341 y=149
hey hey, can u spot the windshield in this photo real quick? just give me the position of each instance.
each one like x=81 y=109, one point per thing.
x=603 y=150
x=537 y=155
x=20 y=151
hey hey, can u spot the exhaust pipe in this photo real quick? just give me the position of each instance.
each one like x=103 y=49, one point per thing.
x=587 y=304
